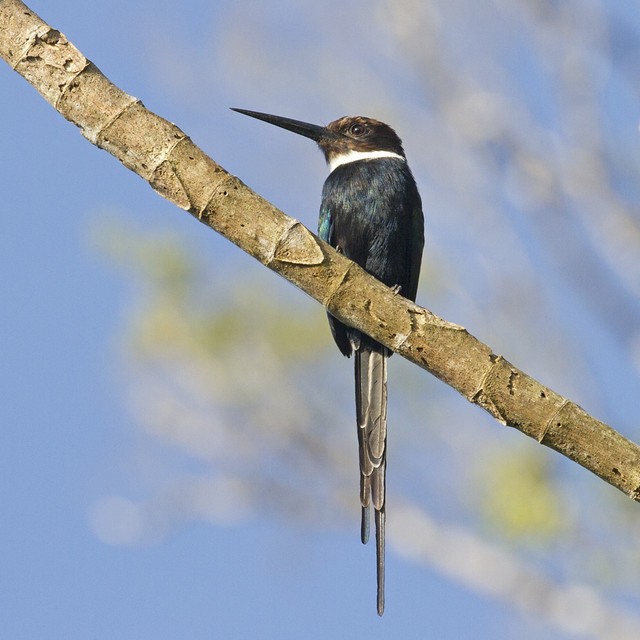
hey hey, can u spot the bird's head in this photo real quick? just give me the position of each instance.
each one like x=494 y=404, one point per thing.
x=343 y=140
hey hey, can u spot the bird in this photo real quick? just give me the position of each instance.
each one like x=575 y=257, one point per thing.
x=371 y=212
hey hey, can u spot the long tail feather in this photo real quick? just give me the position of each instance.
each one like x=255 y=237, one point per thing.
x=371 y=410
x=380 y=523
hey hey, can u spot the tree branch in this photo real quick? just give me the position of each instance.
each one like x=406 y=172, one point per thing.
x=177 y=169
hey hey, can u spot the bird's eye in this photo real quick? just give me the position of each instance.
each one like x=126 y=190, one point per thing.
x=357 y=129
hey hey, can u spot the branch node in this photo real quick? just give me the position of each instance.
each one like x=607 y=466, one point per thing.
x=68 y=84
x=551 y=420
x=94 y=137
x=35 y=34
x=416 y=321
x=335 y=290
x=494 y=360
x=483 y=399
x=228 y=177
x=296 y=245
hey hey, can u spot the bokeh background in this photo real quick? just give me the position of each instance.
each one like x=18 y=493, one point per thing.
x=177 y=439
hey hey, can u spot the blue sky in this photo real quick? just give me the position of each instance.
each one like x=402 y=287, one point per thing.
x=499 y=263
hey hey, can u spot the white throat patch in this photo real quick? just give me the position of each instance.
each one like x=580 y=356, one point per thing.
x=354 y=156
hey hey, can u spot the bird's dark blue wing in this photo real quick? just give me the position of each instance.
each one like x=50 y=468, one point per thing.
x=325 y=231
x=324 y=225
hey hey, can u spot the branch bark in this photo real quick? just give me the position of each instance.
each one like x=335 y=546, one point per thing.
x=177 y=169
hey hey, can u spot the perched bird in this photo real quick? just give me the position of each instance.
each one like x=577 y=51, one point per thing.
x=372 y=213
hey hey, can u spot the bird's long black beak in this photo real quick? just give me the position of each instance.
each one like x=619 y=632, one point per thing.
x=313 y=131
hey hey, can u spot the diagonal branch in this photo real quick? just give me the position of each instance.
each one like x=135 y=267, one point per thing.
x=177 y=169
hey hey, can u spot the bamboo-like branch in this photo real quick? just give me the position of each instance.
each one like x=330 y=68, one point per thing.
x=177 y=169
